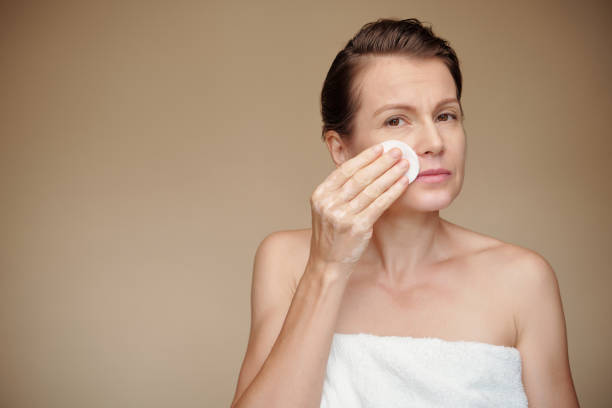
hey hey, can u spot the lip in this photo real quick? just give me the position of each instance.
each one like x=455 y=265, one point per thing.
x=432 y=172
x=434 y=175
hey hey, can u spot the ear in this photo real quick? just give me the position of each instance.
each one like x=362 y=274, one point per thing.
x=337 y=147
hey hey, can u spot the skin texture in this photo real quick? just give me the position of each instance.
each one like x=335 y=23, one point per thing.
x=411 y=273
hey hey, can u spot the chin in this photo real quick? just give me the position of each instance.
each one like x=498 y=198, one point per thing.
x=424 y=201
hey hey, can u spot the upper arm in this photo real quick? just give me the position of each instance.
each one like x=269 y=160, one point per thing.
x=271 y=295
x=542 y=338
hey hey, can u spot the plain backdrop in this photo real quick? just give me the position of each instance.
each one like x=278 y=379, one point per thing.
x=148 y=147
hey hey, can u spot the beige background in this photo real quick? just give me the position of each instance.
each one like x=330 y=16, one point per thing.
x=147 y=148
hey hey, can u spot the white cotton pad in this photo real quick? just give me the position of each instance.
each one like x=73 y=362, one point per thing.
x=407 y=153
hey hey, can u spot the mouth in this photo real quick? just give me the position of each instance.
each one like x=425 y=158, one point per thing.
x=434 y=175
x=433 y=172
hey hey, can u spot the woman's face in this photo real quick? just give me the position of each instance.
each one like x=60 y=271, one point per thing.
x=413 y=100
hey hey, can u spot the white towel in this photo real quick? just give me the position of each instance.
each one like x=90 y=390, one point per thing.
x=370 y=371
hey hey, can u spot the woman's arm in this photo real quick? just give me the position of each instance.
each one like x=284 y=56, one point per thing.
x=542 y=338
x=287 y=369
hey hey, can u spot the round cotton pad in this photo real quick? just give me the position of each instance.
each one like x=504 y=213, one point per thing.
x=407 y=153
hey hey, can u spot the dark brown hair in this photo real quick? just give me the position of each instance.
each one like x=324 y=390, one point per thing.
x=339 y=101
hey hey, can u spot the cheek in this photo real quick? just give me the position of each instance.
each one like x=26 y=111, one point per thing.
x=456 y=147
x=359 y=144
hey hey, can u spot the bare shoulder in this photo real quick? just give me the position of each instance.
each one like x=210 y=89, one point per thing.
x=290 y=250
x=512 y=259
x=288 y=244
x=532 y=281
x=522 y=266
x=519 y=269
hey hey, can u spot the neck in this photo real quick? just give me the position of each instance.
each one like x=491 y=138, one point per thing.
x=403 y=243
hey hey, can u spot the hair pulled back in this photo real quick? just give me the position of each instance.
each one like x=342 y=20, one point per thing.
x=339 y=99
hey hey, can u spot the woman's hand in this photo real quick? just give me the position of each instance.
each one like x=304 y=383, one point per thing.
x=348 y=202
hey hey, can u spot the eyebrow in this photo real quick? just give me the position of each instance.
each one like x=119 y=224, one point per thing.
x=410 y=107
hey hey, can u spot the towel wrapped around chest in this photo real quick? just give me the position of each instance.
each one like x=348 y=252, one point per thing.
x=370 y=371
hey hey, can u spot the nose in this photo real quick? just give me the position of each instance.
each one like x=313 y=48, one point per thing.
x=428 y=140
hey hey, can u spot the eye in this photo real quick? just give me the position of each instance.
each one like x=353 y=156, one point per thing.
x=394 y=121
x=447 y=114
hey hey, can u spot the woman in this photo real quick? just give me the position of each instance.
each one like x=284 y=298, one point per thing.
x=383 y=302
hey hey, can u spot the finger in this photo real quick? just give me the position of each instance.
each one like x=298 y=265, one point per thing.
x=378 y=187
x=373 y=211
x=346 y=170
x=364 y=177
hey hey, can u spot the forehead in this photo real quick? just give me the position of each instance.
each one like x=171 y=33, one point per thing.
x=404 y=80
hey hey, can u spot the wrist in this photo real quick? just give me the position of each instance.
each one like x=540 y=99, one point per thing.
x=329 y=272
